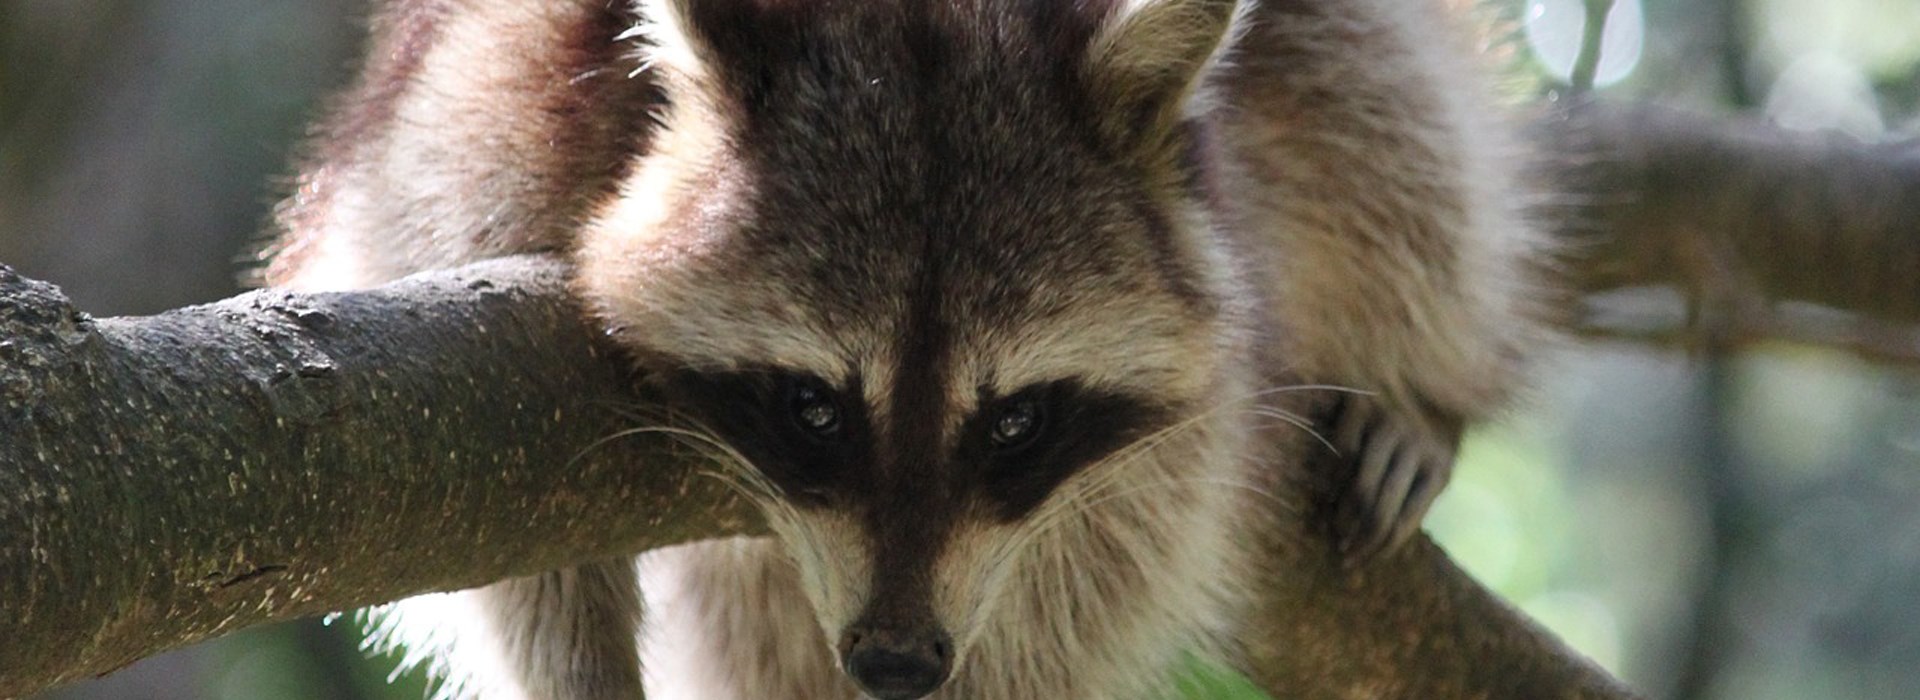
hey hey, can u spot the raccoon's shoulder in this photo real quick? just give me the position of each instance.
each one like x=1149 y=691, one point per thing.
x=475 y=128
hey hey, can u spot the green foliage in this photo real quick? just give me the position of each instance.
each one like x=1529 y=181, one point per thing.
x=1205 y=680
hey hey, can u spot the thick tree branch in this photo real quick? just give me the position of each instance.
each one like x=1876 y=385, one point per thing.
x=169 y=478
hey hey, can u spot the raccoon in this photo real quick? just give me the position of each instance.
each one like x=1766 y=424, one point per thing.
x=989 y=305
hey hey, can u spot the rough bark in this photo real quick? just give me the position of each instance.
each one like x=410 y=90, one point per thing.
x=168 y=478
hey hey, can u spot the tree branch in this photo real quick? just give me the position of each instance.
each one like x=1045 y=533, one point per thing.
x=1764 y=233
x=1407 y=625
x=170 y=478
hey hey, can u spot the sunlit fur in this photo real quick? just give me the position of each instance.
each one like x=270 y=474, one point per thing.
x=1340 y=211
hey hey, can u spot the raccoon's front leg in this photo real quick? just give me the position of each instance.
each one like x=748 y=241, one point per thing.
x=568 y=634
x=1404 y=459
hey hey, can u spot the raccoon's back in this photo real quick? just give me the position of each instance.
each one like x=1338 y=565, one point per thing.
x=477 y=128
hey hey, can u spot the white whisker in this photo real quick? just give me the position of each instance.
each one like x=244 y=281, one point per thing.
x=1296 y=421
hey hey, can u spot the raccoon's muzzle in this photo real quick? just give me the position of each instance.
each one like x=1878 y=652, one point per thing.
x=897 y=663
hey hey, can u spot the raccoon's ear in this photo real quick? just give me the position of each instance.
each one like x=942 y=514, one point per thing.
x=1145 y=62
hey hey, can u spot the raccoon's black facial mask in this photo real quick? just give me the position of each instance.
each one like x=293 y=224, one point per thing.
x=807 y=437
x=1027 y=443
x=817 y=442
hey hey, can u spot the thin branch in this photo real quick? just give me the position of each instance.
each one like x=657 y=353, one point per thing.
x=1593 y=34
x=1765 y=233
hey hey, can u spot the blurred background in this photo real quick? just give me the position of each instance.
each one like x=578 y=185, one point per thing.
x=1743 y=526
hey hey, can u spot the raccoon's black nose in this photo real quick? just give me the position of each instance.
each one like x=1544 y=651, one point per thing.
x=897 y=664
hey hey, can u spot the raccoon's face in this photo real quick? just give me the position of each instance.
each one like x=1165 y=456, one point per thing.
x=891 y=267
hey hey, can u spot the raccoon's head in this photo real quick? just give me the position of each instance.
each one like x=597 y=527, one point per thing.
x=930 y=272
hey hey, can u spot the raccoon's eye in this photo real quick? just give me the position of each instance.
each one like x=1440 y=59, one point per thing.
x=811 y=405
x=1016 y=425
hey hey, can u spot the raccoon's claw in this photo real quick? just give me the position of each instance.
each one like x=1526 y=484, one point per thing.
x=1403 y=463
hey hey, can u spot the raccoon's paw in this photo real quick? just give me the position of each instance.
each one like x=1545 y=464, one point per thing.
x=1404 y=460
